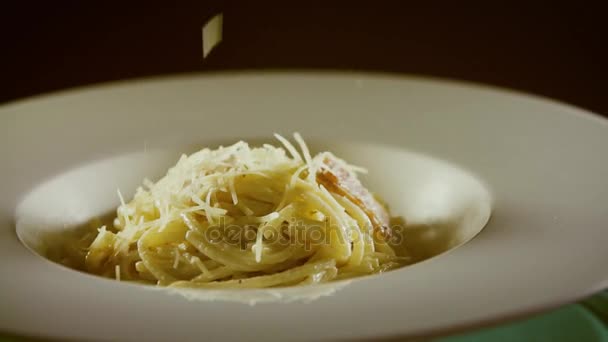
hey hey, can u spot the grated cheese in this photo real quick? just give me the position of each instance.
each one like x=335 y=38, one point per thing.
x=235 y=199
x=176 y=260
x=198 y=263
x=257 y=247
x=194 y=184
x=304 y=148
x=292 y=150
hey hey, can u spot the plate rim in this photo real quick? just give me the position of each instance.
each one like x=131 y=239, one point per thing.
x=581 y=113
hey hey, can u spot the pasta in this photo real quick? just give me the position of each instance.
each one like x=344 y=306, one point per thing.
x=247 y=217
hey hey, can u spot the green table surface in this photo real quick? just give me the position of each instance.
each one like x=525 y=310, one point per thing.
x=585 y=321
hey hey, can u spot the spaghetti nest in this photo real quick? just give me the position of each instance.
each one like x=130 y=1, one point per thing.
x=247 y=217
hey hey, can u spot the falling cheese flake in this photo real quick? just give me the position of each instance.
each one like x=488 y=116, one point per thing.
x=212 y=33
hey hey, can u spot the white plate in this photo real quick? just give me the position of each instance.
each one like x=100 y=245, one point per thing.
x=545 y=164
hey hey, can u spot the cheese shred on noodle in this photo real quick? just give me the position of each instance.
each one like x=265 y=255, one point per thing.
x=242 y=217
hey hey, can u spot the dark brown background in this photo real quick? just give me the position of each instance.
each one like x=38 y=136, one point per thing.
x=556 y=49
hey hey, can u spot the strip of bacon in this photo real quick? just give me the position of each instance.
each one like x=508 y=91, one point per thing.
x=337 y=178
